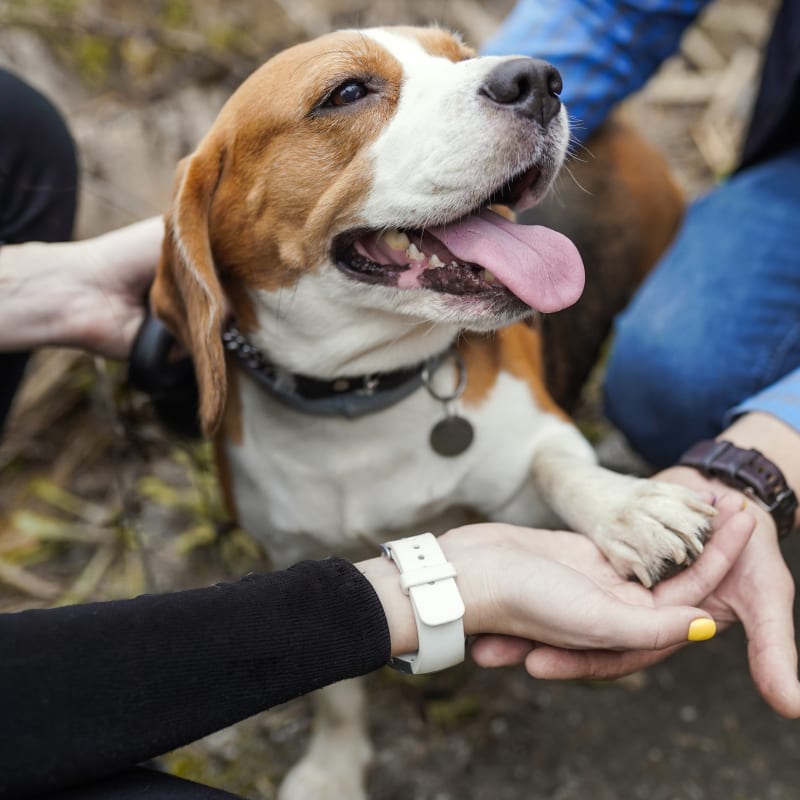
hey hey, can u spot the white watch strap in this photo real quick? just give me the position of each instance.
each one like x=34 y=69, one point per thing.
x=428 y=579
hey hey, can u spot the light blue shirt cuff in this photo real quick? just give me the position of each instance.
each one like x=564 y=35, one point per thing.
x=781 y=400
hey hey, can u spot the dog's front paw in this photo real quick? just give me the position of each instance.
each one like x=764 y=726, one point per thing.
x=655 y=526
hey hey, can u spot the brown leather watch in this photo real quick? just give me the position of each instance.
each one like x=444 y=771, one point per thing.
x=748 y=471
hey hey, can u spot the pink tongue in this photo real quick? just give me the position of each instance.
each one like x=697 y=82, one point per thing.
x=540 y=266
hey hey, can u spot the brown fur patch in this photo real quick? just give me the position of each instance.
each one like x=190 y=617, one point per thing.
x=647 y=179
x=231 y=431
x=225 y=478
x=516 y=349
x=439 y=42
x=232 y=426
x=279 y=175
x=295 y=172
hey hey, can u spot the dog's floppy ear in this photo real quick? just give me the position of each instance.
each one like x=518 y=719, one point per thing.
x=187 y=294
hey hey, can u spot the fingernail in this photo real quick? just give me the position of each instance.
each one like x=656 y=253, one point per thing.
x=701 y=629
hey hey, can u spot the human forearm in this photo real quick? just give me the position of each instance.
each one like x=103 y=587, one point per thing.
x=775 y=439
x=770 y=422
x=35 y=297
x=546 y=586
x=87 y=294
x=89 y=690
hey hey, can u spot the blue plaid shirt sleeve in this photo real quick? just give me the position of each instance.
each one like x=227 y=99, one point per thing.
x=604 y=49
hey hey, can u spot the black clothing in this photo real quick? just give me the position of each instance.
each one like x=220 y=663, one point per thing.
x=143 y=784
x=775 y=124
x=38 y=189
x=89 y=691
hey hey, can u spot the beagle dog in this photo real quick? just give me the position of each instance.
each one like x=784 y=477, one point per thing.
x=357 y=304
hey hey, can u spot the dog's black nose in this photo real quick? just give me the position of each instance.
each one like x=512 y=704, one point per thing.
x=528 y=86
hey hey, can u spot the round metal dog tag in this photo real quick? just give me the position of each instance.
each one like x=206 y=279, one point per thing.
x=451 y=436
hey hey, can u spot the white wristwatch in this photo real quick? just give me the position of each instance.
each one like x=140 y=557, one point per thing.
x=429 y=580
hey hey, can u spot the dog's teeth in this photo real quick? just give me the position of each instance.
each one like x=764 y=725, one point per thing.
x=413 y=252
x=397 y=240
x=503 y=211
x=488 y=276
x=435 y=261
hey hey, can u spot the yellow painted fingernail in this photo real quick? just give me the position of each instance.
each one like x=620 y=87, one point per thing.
x=702 y=629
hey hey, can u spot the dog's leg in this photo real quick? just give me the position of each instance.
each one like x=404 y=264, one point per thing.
x=642 y=526
x=334 y=767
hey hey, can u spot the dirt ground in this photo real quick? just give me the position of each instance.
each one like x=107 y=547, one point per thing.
x=95 y=502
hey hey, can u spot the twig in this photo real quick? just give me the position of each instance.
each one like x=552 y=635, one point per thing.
x=85 y=584
x=28 y=583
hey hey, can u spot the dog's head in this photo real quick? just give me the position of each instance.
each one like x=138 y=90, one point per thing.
x=349 y=181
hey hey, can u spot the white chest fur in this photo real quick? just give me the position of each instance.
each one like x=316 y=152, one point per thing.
x=308 y=485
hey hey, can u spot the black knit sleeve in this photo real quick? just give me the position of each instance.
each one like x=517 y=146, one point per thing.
x=91 y=689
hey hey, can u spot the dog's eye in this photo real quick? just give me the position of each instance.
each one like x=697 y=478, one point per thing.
x=347 y=93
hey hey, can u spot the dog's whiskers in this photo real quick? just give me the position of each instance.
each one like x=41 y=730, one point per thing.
x=576 y=181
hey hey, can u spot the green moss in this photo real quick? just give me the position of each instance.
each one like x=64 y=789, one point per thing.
x=225 y=38
x=176 y=13
x=93 y=57
x=62 y=7
x=193 y=763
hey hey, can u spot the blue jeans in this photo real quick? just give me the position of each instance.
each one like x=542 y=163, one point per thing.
x=718 y=320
